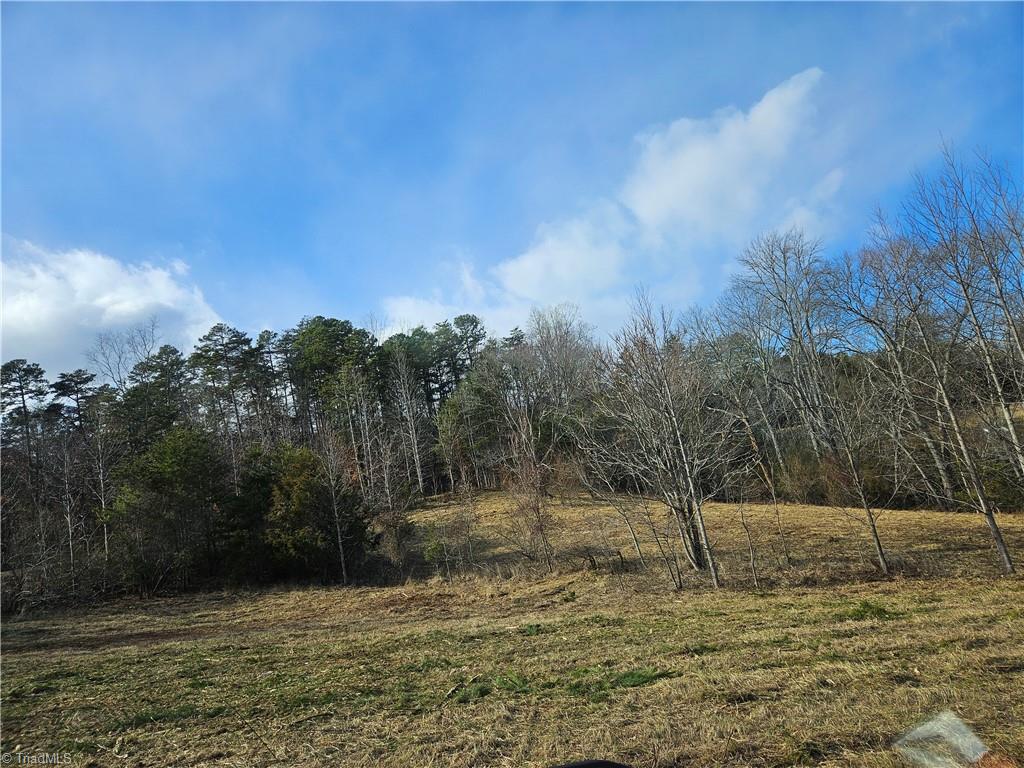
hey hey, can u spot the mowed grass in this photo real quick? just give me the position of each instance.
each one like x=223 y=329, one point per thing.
x=534 y=669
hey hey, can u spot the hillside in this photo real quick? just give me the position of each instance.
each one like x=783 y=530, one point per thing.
x=530 y=668
x=823 y=544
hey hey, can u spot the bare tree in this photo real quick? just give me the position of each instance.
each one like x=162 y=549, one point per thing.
x=337 y=473
x=744 y=383
x=532 y=384
x=964 y=222
x=668 y=431
x=870 y=289
x=787 y=270
x=115 y=353
x=599 y=471
x=103 y=447
x=942 y=343
x=407 y=399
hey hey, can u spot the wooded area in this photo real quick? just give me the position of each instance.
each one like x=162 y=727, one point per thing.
x=889 y=377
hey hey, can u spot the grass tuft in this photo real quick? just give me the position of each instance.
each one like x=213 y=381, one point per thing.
x=473 y=692
x=866 y=610
x=512 y=682
x=532 y=630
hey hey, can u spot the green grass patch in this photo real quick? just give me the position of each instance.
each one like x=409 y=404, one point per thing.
x=866 y=610
x=596 y=683
x=513 y=682
x=532 y=630
x=637 y=677
x=700 y=649
x=473 y=692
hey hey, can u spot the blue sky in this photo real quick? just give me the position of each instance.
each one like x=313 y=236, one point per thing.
x=396 y=164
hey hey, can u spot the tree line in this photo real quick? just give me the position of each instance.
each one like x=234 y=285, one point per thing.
x=888 y=377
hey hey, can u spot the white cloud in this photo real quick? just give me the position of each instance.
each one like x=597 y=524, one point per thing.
x=471 y=294
x=708 y=178
x=813 y=215
x=406 y=312
x=699 y=190
x=570 y=260
x=55 y=302
x=472 y=288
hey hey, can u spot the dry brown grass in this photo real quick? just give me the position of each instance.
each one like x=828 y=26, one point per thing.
x=825 y=544
x=532 y=670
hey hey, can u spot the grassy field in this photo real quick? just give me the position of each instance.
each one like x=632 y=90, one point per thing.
x=531 y=668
